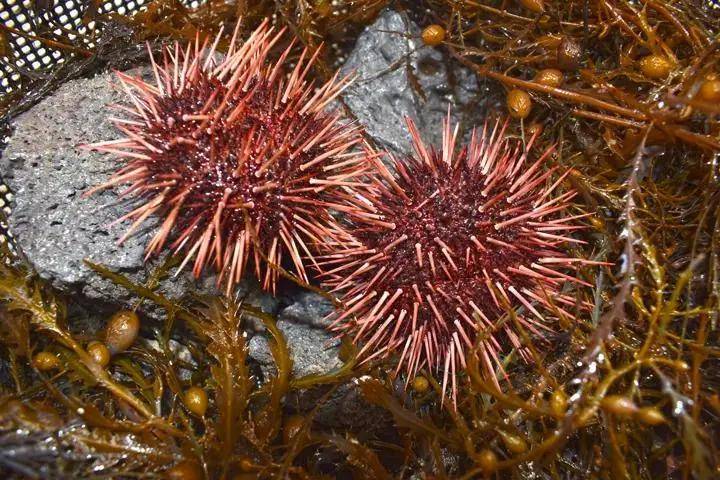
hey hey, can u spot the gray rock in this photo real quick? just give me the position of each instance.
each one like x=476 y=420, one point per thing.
x=399 y=76
x=388 y=59
x=308 y=308
x=314 y=352
x=56 y=226
x=312 y=348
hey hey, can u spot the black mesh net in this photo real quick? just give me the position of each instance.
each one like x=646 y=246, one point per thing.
x=33 y=27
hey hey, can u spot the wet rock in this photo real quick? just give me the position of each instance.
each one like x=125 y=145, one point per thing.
x=388 y=59
x=308 y=308
x=346 y=409
x=57 y=228
x=55 y=225
x=314 y=352
x=399 y=76
x=312 y=348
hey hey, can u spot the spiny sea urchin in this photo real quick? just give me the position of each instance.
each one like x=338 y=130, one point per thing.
x=236 y=155
x=465 y=234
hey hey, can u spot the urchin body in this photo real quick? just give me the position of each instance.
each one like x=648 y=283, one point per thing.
x=238 y=157
x=465 y=234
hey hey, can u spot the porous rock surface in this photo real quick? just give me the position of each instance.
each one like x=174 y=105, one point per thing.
x=387 y=54
x=384 y=58
x=55 y=226
x=397 y=76
x=303 y=324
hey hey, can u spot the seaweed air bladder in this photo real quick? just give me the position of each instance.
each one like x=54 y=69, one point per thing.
x=237 y=156
x=466 y=234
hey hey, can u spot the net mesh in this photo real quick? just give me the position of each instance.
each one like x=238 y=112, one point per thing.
x=26 y=23
x=32 y=26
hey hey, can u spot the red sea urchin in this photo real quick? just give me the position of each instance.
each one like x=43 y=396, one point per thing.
x=237 y=156
x=464 y=235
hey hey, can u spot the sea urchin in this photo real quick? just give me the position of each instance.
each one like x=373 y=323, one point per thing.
x=237 y=156
x=464 y=235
